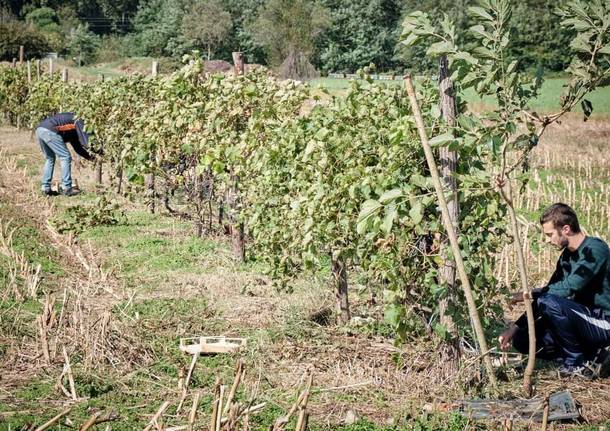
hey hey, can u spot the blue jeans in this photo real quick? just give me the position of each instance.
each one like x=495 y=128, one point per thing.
x=52 y=146
x=565 y=329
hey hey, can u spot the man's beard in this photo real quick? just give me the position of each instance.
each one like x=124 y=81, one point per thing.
x=563 y=242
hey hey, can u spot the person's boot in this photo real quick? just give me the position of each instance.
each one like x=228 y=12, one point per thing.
x=70 y=192
x=49 y=192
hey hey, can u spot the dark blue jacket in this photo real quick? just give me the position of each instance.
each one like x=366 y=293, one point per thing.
x=70 y=129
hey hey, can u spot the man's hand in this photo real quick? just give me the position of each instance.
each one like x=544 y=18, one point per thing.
x=505 y=339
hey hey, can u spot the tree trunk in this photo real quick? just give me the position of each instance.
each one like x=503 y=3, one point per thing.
x=339 y=272
x=448 y=167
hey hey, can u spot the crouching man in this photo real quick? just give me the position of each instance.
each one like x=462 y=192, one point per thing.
x=572 y=313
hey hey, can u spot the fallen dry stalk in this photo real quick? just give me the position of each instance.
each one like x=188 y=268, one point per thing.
x=90 y=422
x=157 y=415
x=53 y=420
x=68 y=370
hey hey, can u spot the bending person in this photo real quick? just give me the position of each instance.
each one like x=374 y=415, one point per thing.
x=52 y=134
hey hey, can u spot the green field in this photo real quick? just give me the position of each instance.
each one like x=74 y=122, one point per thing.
x=548 y=100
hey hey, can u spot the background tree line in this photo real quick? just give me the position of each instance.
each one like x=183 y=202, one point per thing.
x=322 y=35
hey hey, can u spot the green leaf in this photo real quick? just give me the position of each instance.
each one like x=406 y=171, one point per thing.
x=440 y=48
x=390 y=195
x=388 y=220
x=368 y=208
x=393 y=314
x=416 y=213
x=440 y=140
x=480 y=12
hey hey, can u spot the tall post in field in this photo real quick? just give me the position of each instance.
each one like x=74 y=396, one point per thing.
x=237 y=228
x=339 y=275
x=453 y=239
x=29 y=66
x=238 y=62
x=149 y=179
x=14 y=63
x=38 y=69
x=448 y=167
x=51 y=66
x=64 y=74
x=21 y=54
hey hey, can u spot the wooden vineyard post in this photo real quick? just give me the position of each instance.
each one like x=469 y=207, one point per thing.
x=21 y=54
x=29 y=66
x=237 y=228
x=149 y=182
x=64 y=74
x=339 y=277
x=149 y=179
x=38 y=69
x=238 y=62
x=453 y=240
x=14 y=63
x=448 y=165
x=98 y=171
x=50 y=66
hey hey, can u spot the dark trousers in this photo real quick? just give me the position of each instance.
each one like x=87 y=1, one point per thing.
x=564 y=330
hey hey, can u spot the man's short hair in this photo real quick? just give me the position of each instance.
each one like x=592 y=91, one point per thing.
x=561 y=215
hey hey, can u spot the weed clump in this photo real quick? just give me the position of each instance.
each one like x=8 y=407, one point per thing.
x=103 y=212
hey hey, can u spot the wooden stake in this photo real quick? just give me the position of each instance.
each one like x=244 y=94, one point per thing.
x=21 y=54
x=472 y=306
x=545 y=414
x=219 y=410
x=448 y=167
x=238 y=62
x=44 y=343
x=154 y=71
x=38 y=69
x=193 y=413
x=29 y=66
x=50 y=66
x=238 y=376
x=64 y=74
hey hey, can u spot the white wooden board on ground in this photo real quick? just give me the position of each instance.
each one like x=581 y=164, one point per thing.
x=203 y=345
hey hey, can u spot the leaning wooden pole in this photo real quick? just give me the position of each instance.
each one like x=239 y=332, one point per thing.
x=506 y=191
x=453 y=241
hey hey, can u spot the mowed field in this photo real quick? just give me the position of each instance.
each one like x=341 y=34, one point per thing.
x=119 y=298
